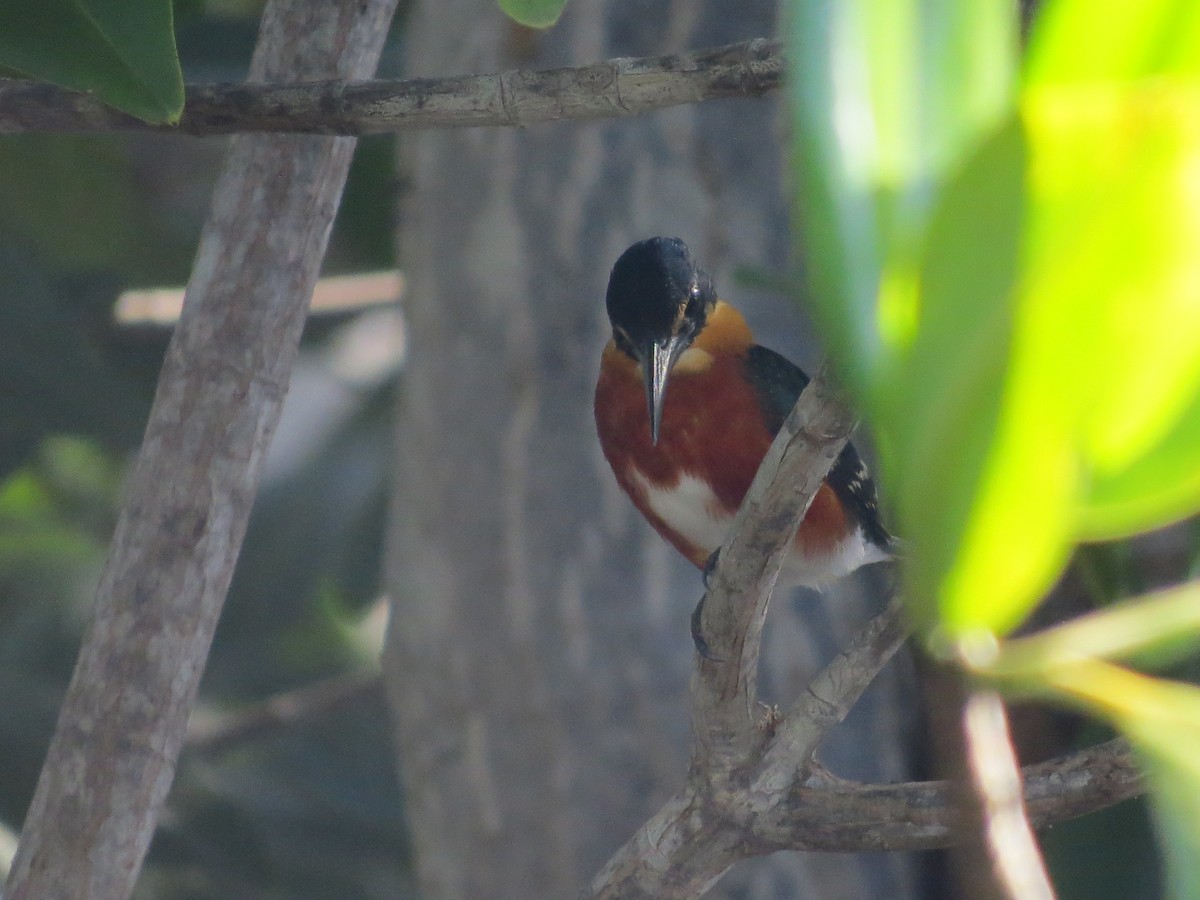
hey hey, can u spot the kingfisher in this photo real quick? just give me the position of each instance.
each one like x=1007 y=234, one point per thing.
x=686 y=407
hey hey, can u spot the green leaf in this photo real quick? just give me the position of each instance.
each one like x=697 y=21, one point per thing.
x=533 y=13
x=1112 y=103
x=1104 y=359
x=1157 y=628
x=121 y=50
x=1162 y=718
x=1162 y=485
x=944 y=401
x=1113 y=239
x=887 y=96
x=1077 y=42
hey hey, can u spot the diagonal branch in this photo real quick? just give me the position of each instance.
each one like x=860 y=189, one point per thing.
x=724 y=694
x=702 y=831
x=615 y=87
x=750 y=789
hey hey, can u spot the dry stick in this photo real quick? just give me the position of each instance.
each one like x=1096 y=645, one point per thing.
x=217 y=733
x=615 y=87
x=188 y=499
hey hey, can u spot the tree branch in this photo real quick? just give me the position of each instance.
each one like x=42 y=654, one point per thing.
x=615 y=87
x=217 y=733
x=188 y=499
x=751 y=787
x=725 y=694
x=833 y=814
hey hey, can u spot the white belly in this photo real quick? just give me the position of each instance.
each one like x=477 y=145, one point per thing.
x=690 y=508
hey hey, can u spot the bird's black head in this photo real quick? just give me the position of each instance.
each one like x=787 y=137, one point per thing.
x=656 y=292
x=658 y=301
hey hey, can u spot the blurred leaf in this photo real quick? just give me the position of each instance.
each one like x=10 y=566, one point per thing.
x=1159 y=627
x=533 y=13
x=1113 y=273
x=1161 y=486
x=1162 y=718
x=1078 y=42
x=71 y=194
x=1113 y=103
x=945 y=399
x=887 y=97
x=121 y=50
x=60 y=367
x=1105 y=346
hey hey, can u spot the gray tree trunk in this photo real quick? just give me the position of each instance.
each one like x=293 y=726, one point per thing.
x=538 y=657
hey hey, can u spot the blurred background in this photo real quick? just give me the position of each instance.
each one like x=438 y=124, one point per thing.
x=287 y=787
x=279 y=794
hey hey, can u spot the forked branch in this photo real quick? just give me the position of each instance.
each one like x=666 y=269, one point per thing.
x=751 y=787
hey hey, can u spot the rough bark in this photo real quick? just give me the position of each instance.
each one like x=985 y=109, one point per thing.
x=596 y=90
x=188 y=500
x=538 y=657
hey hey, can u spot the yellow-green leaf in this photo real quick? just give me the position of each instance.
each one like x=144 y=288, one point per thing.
x=1158 y=628
x=887 y=98
x=944 y=402
x=1161 y=486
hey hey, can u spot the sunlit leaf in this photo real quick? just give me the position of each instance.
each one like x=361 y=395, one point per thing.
x=943 y=403
x=1116 y=175
x=1113 y=106
x=1158 y=628
x=533 y=13
x=887 y=96
x=1105 y=349
x=1160 y=486
x=121 y=50
x=1081 y=41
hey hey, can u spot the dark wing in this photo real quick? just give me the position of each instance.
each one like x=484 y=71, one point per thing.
x=778 y=383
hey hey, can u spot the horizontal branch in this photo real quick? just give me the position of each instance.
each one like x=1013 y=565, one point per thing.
x=845 y=816
x=615 y=87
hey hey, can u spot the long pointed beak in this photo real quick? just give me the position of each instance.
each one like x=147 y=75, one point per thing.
x=656 y=369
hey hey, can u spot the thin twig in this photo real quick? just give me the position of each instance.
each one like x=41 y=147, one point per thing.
x=217 y=733
x=828 y=698
x=615 y=87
